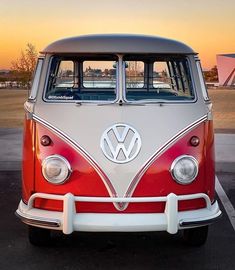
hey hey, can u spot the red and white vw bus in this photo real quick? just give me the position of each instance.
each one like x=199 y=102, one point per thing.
x=118 y=137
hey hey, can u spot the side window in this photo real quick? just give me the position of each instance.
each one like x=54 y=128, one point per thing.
x=36 y=79
x=202 y=82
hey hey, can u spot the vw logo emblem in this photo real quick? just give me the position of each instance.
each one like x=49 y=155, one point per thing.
x=120 y=143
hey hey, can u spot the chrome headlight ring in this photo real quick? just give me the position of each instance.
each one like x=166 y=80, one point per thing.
x=56 y=169
x=184 y=169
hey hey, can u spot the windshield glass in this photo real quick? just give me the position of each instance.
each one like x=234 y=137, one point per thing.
x=158 y=77
x=82 y=78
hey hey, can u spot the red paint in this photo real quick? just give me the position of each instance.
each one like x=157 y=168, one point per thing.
x=28 y=159
x=156 y=181
x=210 y=160
x=84 y=180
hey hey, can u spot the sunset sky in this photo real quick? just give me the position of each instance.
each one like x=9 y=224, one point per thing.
x=207 y=26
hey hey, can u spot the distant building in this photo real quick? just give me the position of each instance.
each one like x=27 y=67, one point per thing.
x=4 y=71
x=226 y=69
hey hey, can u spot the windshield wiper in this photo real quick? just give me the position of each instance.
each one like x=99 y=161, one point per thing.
x=121 y=103
x=94 y=103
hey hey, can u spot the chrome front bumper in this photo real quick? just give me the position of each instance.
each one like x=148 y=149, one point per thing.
x=68 y=221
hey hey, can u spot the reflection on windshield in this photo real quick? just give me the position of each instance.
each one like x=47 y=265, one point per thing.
x=147 y=78
x=152 y=79
x=81 y=79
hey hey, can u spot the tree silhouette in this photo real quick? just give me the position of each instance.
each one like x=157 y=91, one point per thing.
x=24 y=66
x=211 y=75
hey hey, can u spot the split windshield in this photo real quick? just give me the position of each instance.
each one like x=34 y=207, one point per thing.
x=146 y=78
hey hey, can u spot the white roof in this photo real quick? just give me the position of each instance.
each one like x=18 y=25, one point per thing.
x=118 y=43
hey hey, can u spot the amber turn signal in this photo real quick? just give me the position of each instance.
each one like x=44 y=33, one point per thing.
x=45 y=140
x=194 y=141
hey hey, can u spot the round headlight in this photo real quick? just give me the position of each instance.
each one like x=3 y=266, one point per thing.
x=184 y=169
x=56 y=169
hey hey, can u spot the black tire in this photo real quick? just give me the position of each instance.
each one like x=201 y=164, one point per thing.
x=195 y=236
x=39 y=236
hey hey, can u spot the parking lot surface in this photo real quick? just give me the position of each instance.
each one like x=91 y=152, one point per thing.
x=112 y=250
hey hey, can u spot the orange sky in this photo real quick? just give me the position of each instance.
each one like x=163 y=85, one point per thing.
x=206 y=26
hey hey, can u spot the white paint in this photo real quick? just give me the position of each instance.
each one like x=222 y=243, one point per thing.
x=69 y=221
x=226 y=202
x=171 y=212
x=68 y=213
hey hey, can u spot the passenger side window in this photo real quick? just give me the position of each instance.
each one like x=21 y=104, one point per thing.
x=202 y=81
x=37 y=74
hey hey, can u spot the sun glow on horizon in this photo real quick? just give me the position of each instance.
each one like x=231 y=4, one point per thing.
x=206 y=26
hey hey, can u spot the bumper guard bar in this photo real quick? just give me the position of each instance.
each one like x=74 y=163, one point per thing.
x=68 y=220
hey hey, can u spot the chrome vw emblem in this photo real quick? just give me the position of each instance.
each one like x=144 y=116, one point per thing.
x=120 y=143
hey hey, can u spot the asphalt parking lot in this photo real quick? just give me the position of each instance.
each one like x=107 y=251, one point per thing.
x=113 y=250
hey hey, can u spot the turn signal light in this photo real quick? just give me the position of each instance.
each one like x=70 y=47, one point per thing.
x=194 y=141
x=45 y=140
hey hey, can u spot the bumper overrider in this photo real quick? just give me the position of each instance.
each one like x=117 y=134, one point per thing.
x=171 y=220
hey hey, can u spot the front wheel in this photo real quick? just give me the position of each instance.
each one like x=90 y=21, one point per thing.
x=39 y=236
x=196 y=236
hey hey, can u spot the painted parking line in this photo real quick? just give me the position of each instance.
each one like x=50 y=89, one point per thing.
x=226 y=202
